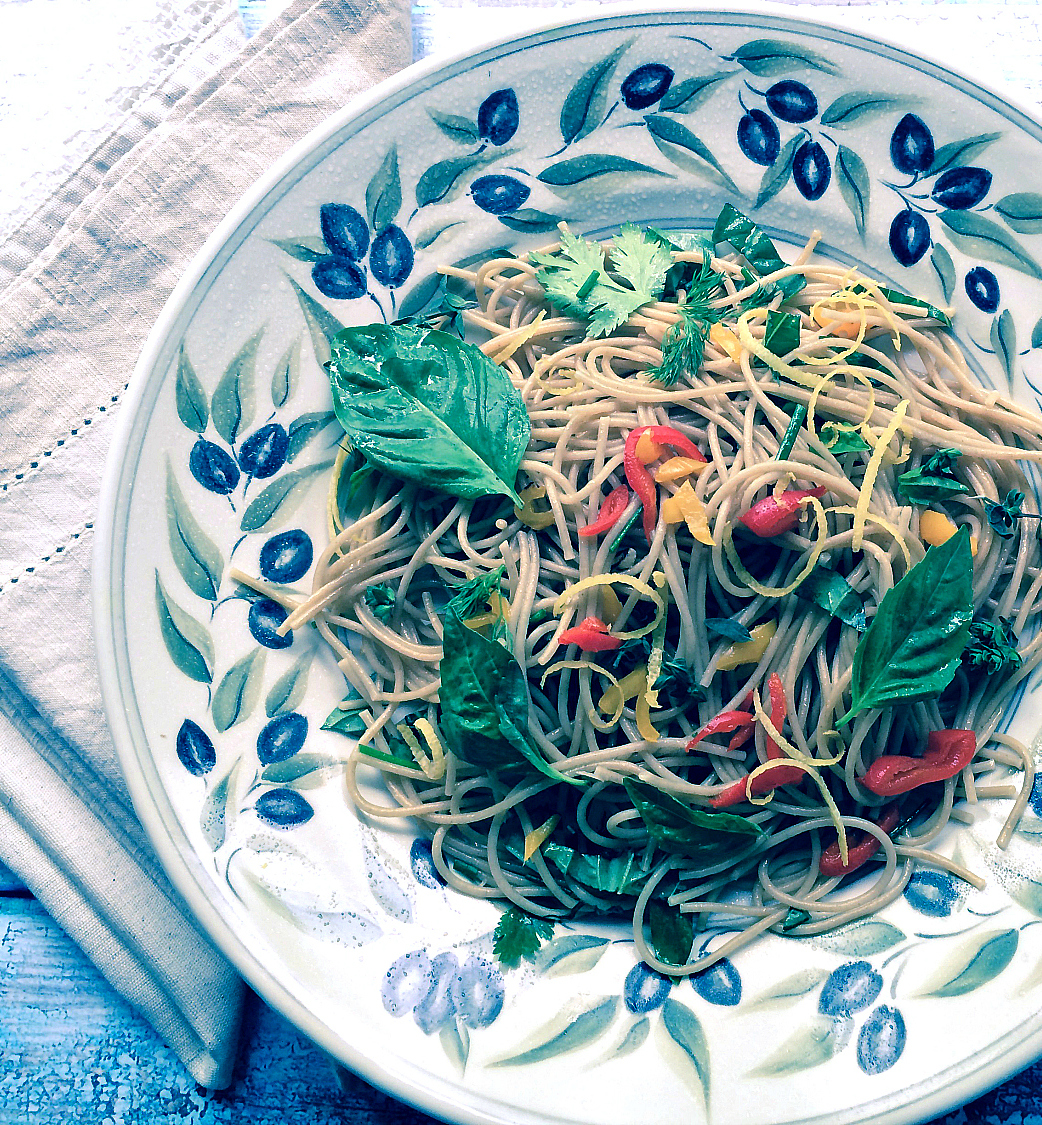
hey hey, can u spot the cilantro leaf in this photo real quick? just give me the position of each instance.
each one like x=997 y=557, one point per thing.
x=380 y=600
x=471 y=598
x=641 y=261
x=519 y=935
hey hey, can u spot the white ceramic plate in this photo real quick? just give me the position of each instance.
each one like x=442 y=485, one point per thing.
x=222 y=459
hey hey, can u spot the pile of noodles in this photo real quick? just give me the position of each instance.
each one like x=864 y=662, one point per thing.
x=583 y=397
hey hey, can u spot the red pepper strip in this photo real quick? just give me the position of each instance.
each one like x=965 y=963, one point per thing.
x=666 y=435
x=641 y=481
x=830 y=864
x=774 y=515
x=725 y=722
x=591 y=635
x=616 y=503
x=948 y=752
x=765 y=782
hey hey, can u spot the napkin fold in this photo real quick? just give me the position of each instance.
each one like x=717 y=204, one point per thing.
x=81 y=283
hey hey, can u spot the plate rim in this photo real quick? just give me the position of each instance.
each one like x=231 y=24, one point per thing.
x=414 y=1086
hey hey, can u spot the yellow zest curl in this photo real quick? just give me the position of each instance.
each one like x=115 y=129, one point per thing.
x=617 y=689
x=812 y=556
x=886 y=525
x=872 y=471
x=594 y=580
x=621 y=691
x=503 y=347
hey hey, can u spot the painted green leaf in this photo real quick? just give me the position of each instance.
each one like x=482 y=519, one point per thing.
x=682 y=147
x=809 y=1046
x=307 y=249
x=1022 y=211
x=1036 y=334
x=530 y=220
x=960 y=152
x=686 y=1031
x=195 y=554
x=1027 y=893
x=288 y=690
x=1004 y=342
x=583 y=108
x=632 y=1038
x=683 y=97
x=765 y=57
x=281 y=498
x=789 y=990
x=777 y=176
x=570 y=953
x=188 y=643
x=213 y=817
x=287 y=372
x=981 y=237
x=427 y=238
x=236 y=695
x=447 y=178
x=570 y=1030
x=305 y=427
x=298 y=767
x=944 y=267
x=859 y=107
x=863 y=939
x=232 y=404
x=852 y=177
x=322 y=324
x=424 y=406
x=584 y=169
x=420 y=296
x=383 y=194
x=459 y=129
x=974 y=963
x=455 y=1042
x=192 y=407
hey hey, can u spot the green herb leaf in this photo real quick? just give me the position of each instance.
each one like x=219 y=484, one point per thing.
x=345 y=718
x=782 y=332
x=913 y=645
x=729 y=628
x=794 y=918
x=683 y=349
x=623 y=874
x=895 y=297
x=839 y=437
x=935 y=479
x=677 y=685
x=992 y=647
x=519 y=935
x=472 y=596
x=832 y=592
x=670 y=933
x=380 y=599
x=683 y=829
x=1003 y=517
x=424 y=406
x=747 y=238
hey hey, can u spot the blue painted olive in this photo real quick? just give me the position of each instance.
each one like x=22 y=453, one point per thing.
x=263 y=453
x=422 y=863
x=339 y=278
x=391 y=257
x=758 y=137
x=345 y=230
x=499 y=194
x=281 y=738
x=911 y=145
x=982 y=288
x=909 y=237
x=213 y=467
x=195 y=749
x=287 y=556
x=932 y=893
x=283 y=808
x=881 y=1040
x=435 y=1010
x=646 y=85
x=719 y=984
x=960 y=188
x=811 y=170
x=791 y=101
x=498 y=117
x=1035 y=799
x=644 y=990
x=408 y=980
x=849 y=989
x=477 y=992
x=264 y=618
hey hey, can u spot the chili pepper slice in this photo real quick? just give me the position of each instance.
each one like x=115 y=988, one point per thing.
x=614 y=505
x=774 y=515
x=725 y=722
x=591 y=635
x=831 y=865
x=640 y=480
x=947 y=753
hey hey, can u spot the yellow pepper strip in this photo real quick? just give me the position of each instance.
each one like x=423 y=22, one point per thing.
x=634 y=683
x=848 y=329
x=936 y=528
x=499 y=608
x=726 y=341
x=538 y=836
x=647 y=449
x=530 y=515
x=685 y=505
x=750 y=651
x=611 y=607
x=678 y=468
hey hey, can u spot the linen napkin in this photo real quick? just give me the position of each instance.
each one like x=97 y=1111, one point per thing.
x=81 y=282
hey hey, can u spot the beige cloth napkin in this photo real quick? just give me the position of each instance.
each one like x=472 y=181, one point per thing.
x=81 y=283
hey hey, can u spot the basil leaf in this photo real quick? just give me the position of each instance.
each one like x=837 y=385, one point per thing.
x=670 y=933
x=895 y=297
x=757 y=249
x=380 y=600
x=614 y=875
x=424 y=406
x=781 y=334
x=682 y=829
x=345 y=719
x=935 y=479
x=727 y=627
x=792 y=432
x=912 y=647
x=519 y=935
x=842 y=438
x=834 y=594
x=859 y=359
x=512 y=732
x=992 y=647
